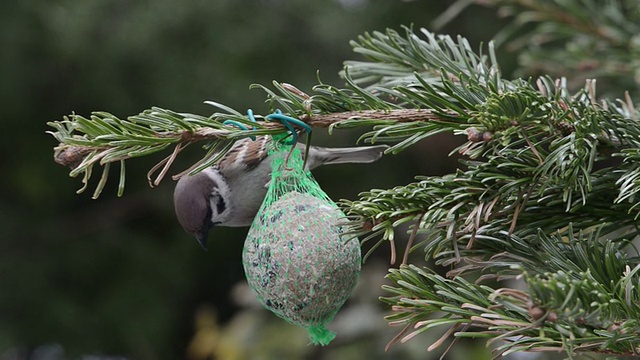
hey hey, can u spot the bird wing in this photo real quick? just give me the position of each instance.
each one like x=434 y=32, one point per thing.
x=246 y=154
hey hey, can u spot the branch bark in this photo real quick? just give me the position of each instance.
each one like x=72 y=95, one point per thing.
x=397 y=115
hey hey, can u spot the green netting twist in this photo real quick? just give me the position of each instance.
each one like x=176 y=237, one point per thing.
x=295 y=256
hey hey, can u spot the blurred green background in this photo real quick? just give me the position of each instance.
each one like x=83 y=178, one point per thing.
x=116 y=277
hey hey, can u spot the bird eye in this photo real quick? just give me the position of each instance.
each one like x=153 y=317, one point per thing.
x=219 y=202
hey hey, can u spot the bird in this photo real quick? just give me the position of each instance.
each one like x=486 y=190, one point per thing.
x=230 y=192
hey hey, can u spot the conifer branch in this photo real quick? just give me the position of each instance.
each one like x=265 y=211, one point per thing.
x=547 y=191
x=104 y=138
x=598 y=39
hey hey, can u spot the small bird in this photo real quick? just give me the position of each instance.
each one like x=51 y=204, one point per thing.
x=230 y=192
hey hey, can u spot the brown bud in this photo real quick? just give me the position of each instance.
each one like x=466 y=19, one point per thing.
x=474 y=135
x=305 y=117
x=536 y=312
x=70 y=156
x=294 y=90
x=565 y=127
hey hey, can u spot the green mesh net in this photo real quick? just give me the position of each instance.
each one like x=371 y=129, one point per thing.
x=295 y=256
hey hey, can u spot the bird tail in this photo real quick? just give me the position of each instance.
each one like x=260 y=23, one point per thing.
x=355 y=155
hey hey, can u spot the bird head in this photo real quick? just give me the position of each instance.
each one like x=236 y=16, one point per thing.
x=199 y=203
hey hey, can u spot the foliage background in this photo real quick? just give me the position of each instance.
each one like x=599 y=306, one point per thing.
x=118 y=277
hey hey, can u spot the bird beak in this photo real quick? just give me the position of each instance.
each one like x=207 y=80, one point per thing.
x=202 y=240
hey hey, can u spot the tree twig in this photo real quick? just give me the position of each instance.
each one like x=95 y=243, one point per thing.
x=72 y=155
